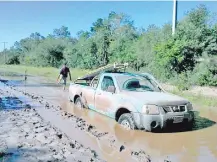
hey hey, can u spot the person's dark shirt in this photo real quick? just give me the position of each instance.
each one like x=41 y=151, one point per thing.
x=64 y=71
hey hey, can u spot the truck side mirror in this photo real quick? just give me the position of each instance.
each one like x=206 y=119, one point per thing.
x=111 y=89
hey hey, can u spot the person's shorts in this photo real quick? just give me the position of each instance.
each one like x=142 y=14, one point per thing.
x=64 y=80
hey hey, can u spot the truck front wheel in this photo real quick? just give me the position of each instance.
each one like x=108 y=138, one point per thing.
x=126 y=121
x=78 y=103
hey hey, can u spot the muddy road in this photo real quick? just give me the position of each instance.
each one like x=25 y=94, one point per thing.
x=106 y=137
x=25 y=136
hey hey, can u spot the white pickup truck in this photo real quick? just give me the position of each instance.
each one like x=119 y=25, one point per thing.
x=136 y=101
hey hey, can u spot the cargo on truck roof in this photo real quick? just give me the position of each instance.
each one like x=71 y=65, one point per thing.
x=112 y=68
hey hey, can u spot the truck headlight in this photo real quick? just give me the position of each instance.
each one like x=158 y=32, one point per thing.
x=189 y=106
x=150 y=110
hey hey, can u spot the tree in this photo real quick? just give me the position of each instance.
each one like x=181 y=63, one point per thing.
x=62 y=32
x=97 y=25
x=37 y=36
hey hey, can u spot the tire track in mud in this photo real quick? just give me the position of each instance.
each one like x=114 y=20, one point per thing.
x=81 y=124
x=25 y=136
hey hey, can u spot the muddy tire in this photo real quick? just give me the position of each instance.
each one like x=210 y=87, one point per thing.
x=126 y=121
x=78 y=103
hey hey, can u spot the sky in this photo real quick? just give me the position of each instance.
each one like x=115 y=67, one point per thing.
x=19 y=19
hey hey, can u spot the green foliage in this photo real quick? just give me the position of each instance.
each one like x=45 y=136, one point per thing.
x=205 y=73
x=62 y=32
x=14 y=59
x=194 y=40
x=115 y=39
x=183 y=81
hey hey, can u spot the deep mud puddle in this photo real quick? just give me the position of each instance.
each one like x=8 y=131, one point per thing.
x=175 y=144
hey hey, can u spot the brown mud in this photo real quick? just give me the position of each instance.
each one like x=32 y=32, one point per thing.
x=25 y=136
x=111 y=142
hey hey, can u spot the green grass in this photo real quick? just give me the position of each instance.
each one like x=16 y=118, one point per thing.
x=198 y=99
x=51 y=74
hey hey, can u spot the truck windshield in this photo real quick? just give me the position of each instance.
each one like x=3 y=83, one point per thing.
x=137 y=83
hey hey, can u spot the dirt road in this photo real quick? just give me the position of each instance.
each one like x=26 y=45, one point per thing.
x=110 y=142
x=25 y=136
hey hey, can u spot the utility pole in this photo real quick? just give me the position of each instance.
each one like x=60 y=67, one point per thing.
x=174 y=16
x=4 y=50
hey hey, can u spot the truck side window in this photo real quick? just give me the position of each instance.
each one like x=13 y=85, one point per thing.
x=106 y=82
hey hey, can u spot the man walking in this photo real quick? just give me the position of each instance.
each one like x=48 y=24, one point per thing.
x=64 y=74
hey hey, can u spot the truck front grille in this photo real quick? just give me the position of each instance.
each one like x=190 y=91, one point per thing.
x=179 y=108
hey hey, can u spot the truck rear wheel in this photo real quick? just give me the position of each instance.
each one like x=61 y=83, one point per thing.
x=126 y=121
x=78 y=103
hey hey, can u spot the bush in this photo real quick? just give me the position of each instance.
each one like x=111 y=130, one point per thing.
x=205 y=74
x=183 y=81
x=13 y=60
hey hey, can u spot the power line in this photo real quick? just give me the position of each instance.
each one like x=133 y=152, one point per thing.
x=4 y=50
x=174 y=16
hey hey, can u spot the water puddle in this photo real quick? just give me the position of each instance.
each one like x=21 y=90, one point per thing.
x=6 y=157
x=14 y=82
x=176 y=142
x=10 y=103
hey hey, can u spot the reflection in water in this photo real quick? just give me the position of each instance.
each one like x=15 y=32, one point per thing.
x=199 y=123
x=186 y=146
x=10 y=103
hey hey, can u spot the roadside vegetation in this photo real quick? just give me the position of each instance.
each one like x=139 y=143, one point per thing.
x=199 y=100
x=185 y=59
